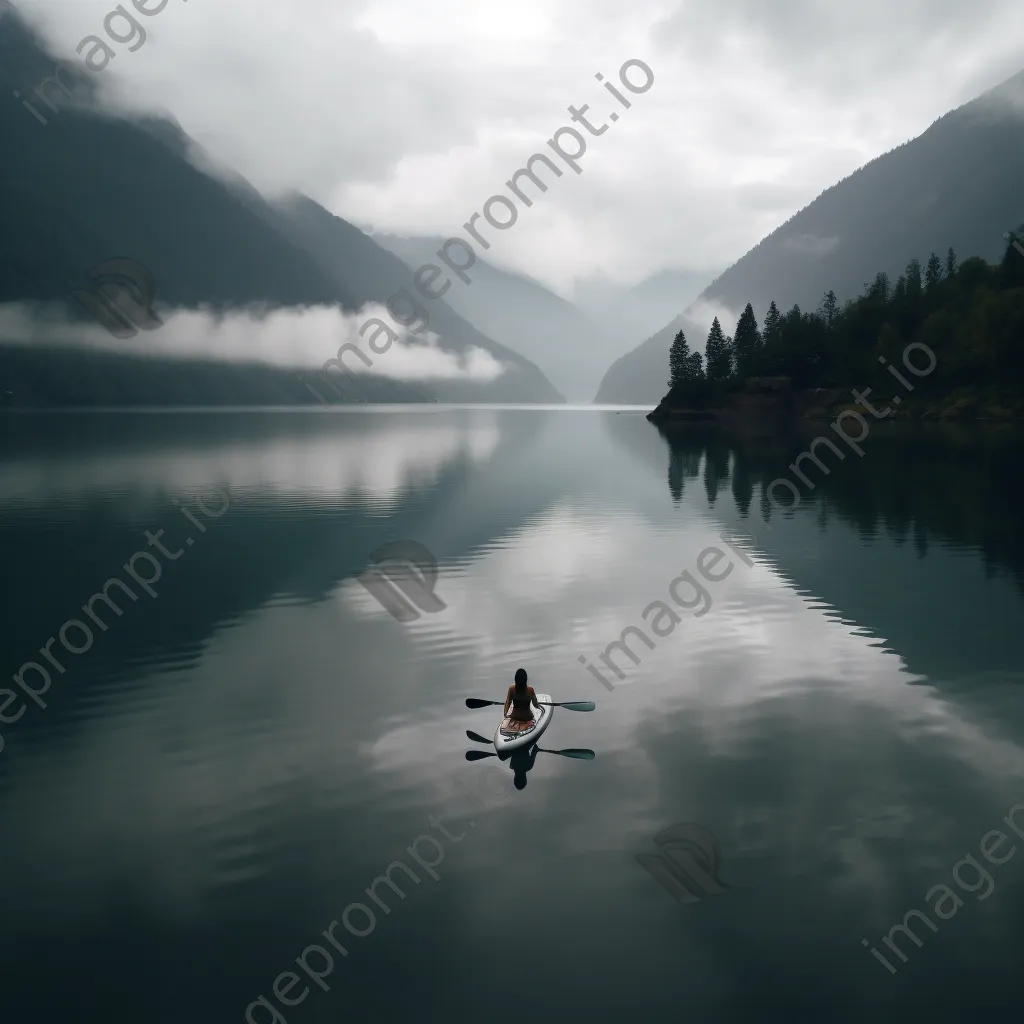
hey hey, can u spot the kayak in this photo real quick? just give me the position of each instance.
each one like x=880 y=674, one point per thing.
x=512 y=735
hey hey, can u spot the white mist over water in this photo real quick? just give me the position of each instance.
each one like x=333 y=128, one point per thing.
x=287 y=338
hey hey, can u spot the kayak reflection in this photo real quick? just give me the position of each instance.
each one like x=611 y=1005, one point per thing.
x=522 y=761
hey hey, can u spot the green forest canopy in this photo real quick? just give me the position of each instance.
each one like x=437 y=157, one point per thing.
x=971 y=316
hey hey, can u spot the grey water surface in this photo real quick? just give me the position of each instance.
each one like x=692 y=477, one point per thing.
x=200 y=789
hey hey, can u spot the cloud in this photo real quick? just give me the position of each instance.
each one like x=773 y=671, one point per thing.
x=411 y=116
x=703 y=312
x=844 y=45
x=288 y=338
x=1010 y=95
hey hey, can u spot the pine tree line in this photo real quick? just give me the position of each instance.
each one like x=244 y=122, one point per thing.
x=970 y=315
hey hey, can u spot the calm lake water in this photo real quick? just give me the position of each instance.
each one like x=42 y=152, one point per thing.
x=222 y=772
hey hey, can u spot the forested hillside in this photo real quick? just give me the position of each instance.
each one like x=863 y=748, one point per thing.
x=954 y=332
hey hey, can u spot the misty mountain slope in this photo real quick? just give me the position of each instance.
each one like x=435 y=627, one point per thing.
x=341 y=249
x=959 y=184
x=86 y=188
x=570 y=347
x=639 y=310
x=646 y=367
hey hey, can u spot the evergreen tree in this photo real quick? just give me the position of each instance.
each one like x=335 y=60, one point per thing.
x=1013 y=260
x=772 y=321
x=679 y=361
x=914 y=279
x=771 y=338
x=974 y=330
x=878 y=290
x=747 y=343
x=790 y=339
x=719 y=357
x=1014 y=242
x=829 y=309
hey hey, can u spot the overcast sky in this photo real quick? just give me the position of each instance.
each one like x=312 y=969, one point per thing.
x=407 y=116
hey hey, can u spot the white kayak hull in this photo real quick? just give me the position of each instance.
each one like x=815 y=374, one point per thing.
x=505 y=741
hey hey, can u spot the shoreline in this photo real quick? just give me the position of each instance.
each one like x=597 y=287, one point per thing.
x=779 y=406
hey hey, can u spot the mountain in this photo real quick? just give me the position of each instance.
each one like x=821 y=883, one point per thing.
x=87 y=187
x=959 y=184
x=637 y=376
x=357 y=261
x=639 y=310
x=572 y=349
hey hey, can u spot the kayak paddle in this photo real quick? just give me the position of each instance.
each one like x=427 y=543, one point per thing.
x=578 y=752
x=581 y=752
x=569 y=705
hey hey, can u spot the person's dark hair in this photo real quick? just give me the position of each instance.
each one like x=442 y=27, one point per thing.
x=521 y=680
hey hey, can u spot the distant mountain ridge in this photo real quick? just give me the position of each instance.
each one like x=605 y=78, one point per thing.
x=637 y=311
x=571 y=349
x=573 y=342
x=959 y=184
x=88 y=187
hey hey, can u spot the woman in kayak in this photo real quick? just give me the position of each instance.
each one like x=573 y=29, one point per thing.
x=519 y=698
